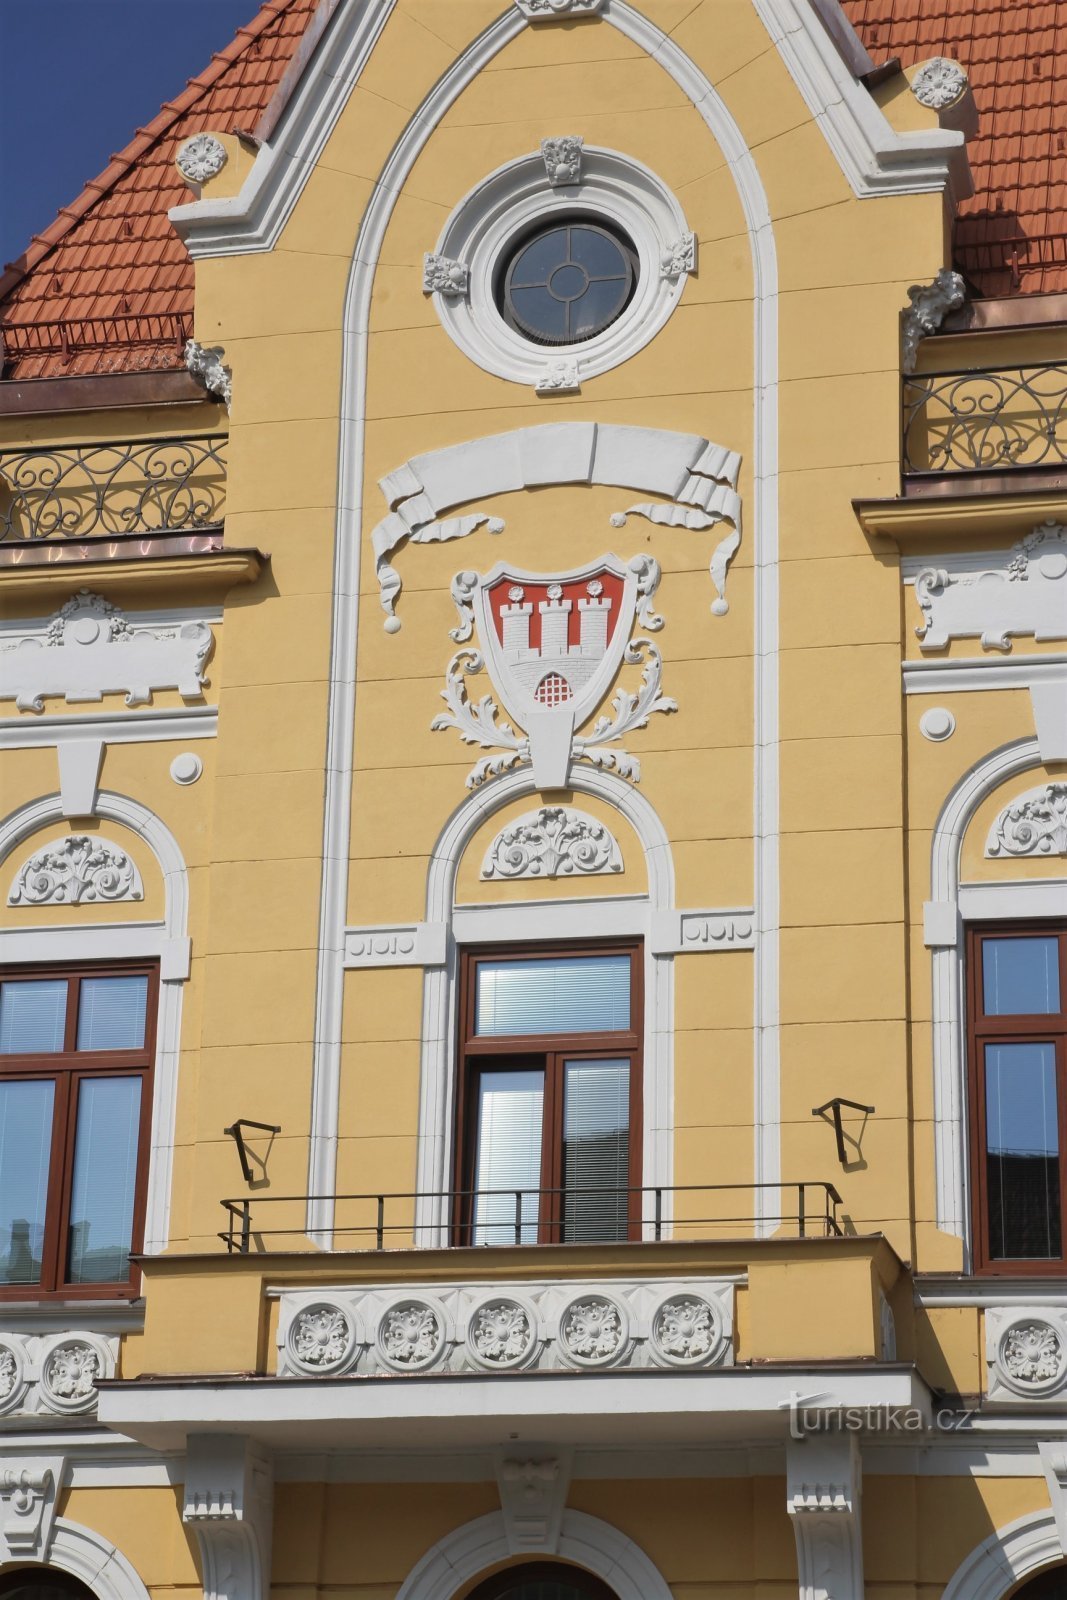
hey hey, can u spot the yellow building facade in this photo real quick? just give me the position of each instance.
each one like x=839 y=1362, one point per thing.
x=533 y=882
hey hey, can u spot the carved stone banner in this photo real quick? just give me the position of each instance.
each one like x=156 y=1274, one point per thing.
x=553 y=842
x=90 y=648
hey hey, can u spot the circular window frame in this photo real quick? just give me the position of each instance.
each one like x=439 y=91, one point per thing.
x=516 y=200
x=505 y=285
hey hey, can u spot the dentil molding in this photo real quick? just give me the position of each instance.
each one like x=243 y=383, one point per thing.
x=74 y=869
x=29 y=1488
x=90 y=648
x=506 y=1327
x=1026 y=1355
x=1021 y=591
x=679 y=932
x=410 y=944
x=552 y=842
x=1033 y=824
x=929 y=305
x=229 y=1491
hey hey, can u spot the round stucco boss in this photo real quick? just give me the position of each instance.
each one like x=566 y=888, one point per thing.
x=201 y=157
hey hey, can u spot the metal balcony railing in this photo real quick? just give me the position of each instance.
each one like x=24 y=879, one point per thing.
x=148 y=486
x=984 y=420
x=508 y=1217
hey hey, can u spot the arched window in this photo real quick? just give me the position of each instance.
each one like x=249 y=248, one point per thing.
x=1051 y=1584
x=554 y=1580
x=42 y=1583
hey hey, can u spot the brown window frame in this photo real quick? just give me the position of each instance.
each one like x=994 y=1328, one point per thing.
x=983 y=1029
x=69 y=1068
x=477 y=1051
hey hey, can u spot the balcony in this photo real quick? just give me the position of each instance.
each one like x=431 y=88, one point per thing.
x=119 y=490
x=506 y=1218
x=980 y=429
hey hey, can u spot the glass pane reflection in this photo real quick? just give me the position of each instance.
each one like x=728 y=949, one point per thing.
x=25 y=1149
x=1022 y=1151
x=1020 y=977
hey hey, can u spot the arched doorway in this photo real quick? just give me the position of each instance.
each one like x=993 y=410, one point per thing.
x=550 y=1580
x=42 y=1583
x=1049 y=1584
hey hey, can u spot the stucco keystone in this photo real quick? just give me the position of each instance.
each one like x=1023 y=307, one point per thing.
x=29 y=1486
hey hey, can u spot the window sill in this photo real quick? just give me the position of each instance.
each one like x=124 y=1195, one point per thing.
x=195 y=562
x=57 y=1315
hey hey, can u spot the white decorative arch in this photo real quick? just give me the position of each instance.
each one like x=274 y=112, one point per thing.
x=167 y=940
x=584 y=1540
x=943 y=931
x=1012 y=1553
x=433 y=1158
x=86 y=1555
x=322 y=1166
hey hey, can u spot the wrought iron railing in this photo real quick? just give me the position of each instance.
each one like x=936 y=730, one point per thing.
x=507 y=1217
x=987 y=419
x=145 y=486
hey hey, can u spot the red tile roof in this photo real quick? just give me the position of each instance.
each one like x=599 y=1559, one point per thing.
x=1011 y=238
x=108 y=287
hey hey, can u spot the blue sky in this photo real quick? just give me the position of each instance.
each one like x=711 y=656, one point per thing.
x=79 y=76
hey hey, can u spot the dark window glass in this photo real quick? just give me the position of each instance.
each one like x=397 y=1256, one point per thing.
x=1048 y=1585
x=546 y=1580
x=1018 y=1056
x=568 y=282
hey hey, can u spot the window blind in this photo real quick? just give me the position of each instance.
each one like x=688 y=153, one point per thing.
x=1020 y=977
x=596 y=1149
x=111 y=1013
x=553 y=994
x=32 y=1016
x=508 y=1155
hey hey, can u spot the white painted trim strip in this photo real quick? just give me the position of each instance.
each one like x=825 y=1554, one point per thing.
x=963 y=677
x=133 y=727
x=1037 y=897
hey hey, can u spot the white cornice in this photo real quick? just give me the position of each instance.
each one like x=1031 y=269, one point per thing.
x=873 y=157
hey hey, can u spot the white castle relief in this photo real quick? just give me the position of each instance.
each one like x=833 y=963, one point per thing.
x=571 y=665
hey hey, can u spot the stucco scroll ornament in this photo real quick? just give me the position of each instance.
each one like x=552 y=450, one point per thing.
x=546 y=10
x=563 y=159
x=207 y=362
x=930 y=304
x=76 y=869
x=553 y=645
x=939 y=83
x=1034 y=824
x=1022 y=592
x=708 y=495
x=553 y=842
x=89 y=648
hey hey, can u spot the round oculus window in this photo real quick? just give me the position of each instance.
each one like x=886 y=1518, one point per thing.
x=568 y=282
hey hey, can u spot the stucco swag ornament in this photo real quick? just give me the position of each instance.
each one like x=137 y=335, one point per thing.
x=553 y=644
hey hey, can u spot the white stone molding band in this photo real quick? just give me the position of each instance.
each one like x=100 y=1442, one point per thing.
x=700 y=477
x=454 y=1561
x=169 y=941
x=91 y=1558
x=1016 y=1551
x=252 y=222
x=943 y=933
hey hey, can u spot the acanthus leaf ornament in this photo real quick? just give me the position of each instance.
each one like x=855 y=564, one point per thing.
x=592 y=1331
x=75 y=869
x=559 y=377
x=201 y=158
x=441 y=275
x=555 y=841
x=207 y=363
x=1013 y=593
x=563 y=159
x=929 y=305
x=939 y=83
x=553 y=647
x=549 y=10
x=680 y=257
x=1032 y=1355
x=1034 y=824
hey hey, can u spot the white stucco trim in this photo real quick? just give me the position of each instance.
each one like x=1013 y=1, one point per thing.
x=95 y=1560
x=1013 y=1552
x=978 y=672
x=874 y=158
x=1038 y=897
x=341 y=713
x=530 y=920
x=108 y=727
x=586 y=1541
x=945 y=935
x=168 y=939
